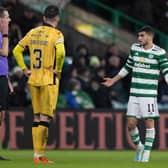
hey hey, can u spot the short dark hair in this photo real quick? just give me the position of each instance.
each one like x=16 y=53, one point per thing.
x=147 y=29
x=51 y=11
x=2 y=9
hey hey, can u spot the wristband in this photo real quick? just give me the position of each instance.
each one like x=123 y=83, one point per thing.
x=5 y=35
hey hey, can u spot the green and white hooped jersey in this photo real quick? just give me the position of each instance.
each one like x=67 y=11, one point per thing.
x=145 y=66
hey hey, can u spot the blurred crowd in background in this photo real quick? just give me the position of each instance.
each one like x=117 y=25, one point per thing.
x=82 y=74
x=154 y=13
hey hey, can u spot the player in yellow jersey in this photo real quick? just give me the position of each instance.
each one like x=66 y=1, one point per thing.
x=46 y=46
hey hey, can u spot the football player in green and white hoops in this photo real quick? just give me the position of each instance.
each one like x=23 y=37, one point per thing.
x=145 y=61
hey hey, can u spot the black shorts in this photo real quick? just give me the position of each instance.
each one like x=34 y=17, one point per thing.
x=3 y=92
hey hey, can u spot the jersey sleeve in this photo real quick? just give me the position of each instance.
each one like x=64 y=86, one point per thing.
x=60 y=52
x=60 y=38
x=163 y=63
x=24 y=41
x=127 y=68
x=18 y=54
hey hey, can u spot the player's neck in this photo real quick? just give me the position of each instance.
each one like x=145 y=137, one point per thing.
x=51 y=23
x=148 y=46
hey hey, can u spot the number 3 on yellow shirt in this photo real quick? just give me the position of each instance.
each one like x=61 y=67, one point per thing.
x=38 y=56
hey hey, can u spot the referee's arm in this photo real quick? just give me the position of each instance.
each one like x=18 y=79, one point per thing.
x=4 y=50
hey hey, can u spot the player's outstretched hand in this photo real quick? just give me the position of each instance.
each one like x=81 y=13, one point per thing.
x=108 y=82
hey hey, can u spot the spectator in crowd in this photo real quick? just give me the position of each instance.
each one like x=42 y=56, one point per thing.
x=112 y=50
x=94 y=64
x=102 y=62
x=78 y=98
x=116 y=98
x=81 y=58
x=73 y=74
x=100 y=73
x=99 y=94
x=14 y=35
x=112 y=68
x=84 y=77
x=16 y=10
x=19 y=82
x=80 y=62
x=28 y=20
x=113 y=65
x=162 y=91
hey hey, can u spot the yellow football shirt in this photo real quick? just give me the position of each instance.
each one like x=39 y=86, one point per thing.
x=43 y=43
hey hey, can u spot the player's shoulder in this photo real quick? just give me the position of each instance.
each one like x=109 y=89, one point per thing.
x=135 y=46
x=59 y=33
x=158 y=50
x=33 y=30
x=30 y=31
x=60 y=37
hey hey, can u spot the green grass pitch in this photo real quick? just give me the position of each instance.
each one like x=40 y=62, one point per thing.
x=83 y=159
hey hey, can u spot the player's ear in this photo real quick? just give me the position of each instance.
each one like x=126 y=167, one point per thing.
x=44 y=19
x=58 y=18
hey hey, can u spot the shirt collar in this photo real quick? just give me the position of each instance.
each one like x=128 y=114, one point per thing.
x=46 y=24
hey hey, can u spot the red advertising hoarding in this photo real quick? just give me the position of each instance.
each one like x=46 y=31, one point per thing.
x=87 y=130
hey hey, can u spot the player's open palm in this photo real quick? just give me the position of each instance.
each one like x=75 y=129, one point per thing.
x=108 y=82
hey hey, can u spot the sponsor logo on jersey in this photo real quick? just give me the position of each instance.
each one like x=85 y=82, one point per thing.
x=142 y=65
x=142 y=59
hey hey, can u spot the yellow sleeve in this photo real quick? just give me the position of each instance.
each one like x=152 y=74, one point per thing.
x=60 y=52
x=18 y=54
x=60 y=55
